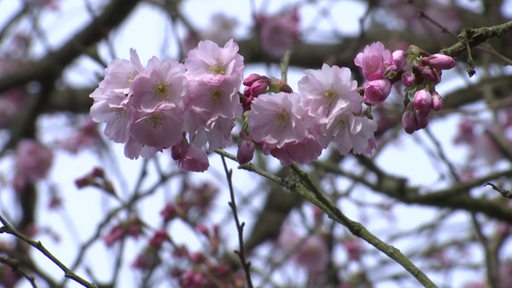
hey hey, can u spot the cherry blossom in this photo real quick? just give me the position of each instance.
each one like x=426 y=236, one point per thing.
x=375 y=61
x=326 y=87
x=33 y=161
x=277 y=119
x=279 y=32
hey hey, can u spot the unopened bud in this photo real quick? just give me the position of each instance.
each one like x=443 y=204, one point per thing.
x=245 y=151
x=439 y=61
x=376 y=91
x=437 y=101
x=422 y=101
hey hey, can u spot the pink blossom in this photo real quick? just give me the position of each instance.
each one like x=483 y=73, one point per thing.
x=353 y=248
x=160 y=128
x=486 y=148
x=277 y=119
x=285 y=129
x=191 y=279
x=328 y=86
x=131 y=227
x=119 y=74
x=466 y=132
x=208 y=102
x=220 y=29
x=313 y=255
x=212 y=63
x=304 y=151
x=376 y=91
x=375 y=61
x=33 y=161
x=189 y=157
x=161 y=83
x=142 y=262
x=133 y=149
x=212 y=103
x=169 y=212
x=288 y=238
x=10 y=104
x=110 y=107
x=280 y=32
x=85 y=136
x=351 y=132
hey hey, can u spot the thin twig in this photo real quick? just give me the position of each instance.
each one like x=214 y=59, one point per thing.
x=304 y=186
x=246 y=265
x=15 y=266
x=9 y=229
x=503 y=192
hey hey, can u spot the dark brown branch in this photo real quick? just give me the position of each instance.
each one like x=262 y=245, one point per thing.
x=53 y=64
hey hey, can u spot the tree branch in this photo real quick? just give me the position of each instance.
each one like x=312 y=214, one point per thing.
x=53 y=64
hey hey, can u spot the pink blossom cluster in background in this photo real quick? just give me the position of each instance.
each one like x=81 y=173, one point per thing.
x=279 y=32
x=33 y=161
x=193 y=105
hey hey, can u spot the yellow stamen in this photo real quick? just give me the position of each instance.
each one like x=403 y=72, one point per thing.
x=217 y=96
x=330 y=94
x=217 y=69
x=282 y=118
x=155 y=120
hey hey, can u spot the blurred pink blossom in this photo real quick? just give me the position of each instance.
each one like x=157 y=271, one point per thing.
x=313 y=255
x=279 y=32
x=33 y=161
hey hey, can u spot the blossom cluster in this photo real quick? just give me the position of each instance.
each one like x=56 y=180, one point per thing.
x=418 y=71
x=297 y=126
x=154 y=107
x=188 y=106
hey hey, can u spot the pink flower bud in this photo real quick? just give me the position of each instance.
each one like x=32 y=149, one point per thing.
x=245 y=151
x=422 y=101
x=353 y=249
x=422 y=120
x=376 y=91
x=313 y=255
x=158 y=238
x=437 y=101
x=439 y=61
x=399 y=59
x=196 y=257
x=409 y=121
x=408 y=79
x=428 y=74
x=169 y=212
x=251 y=79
